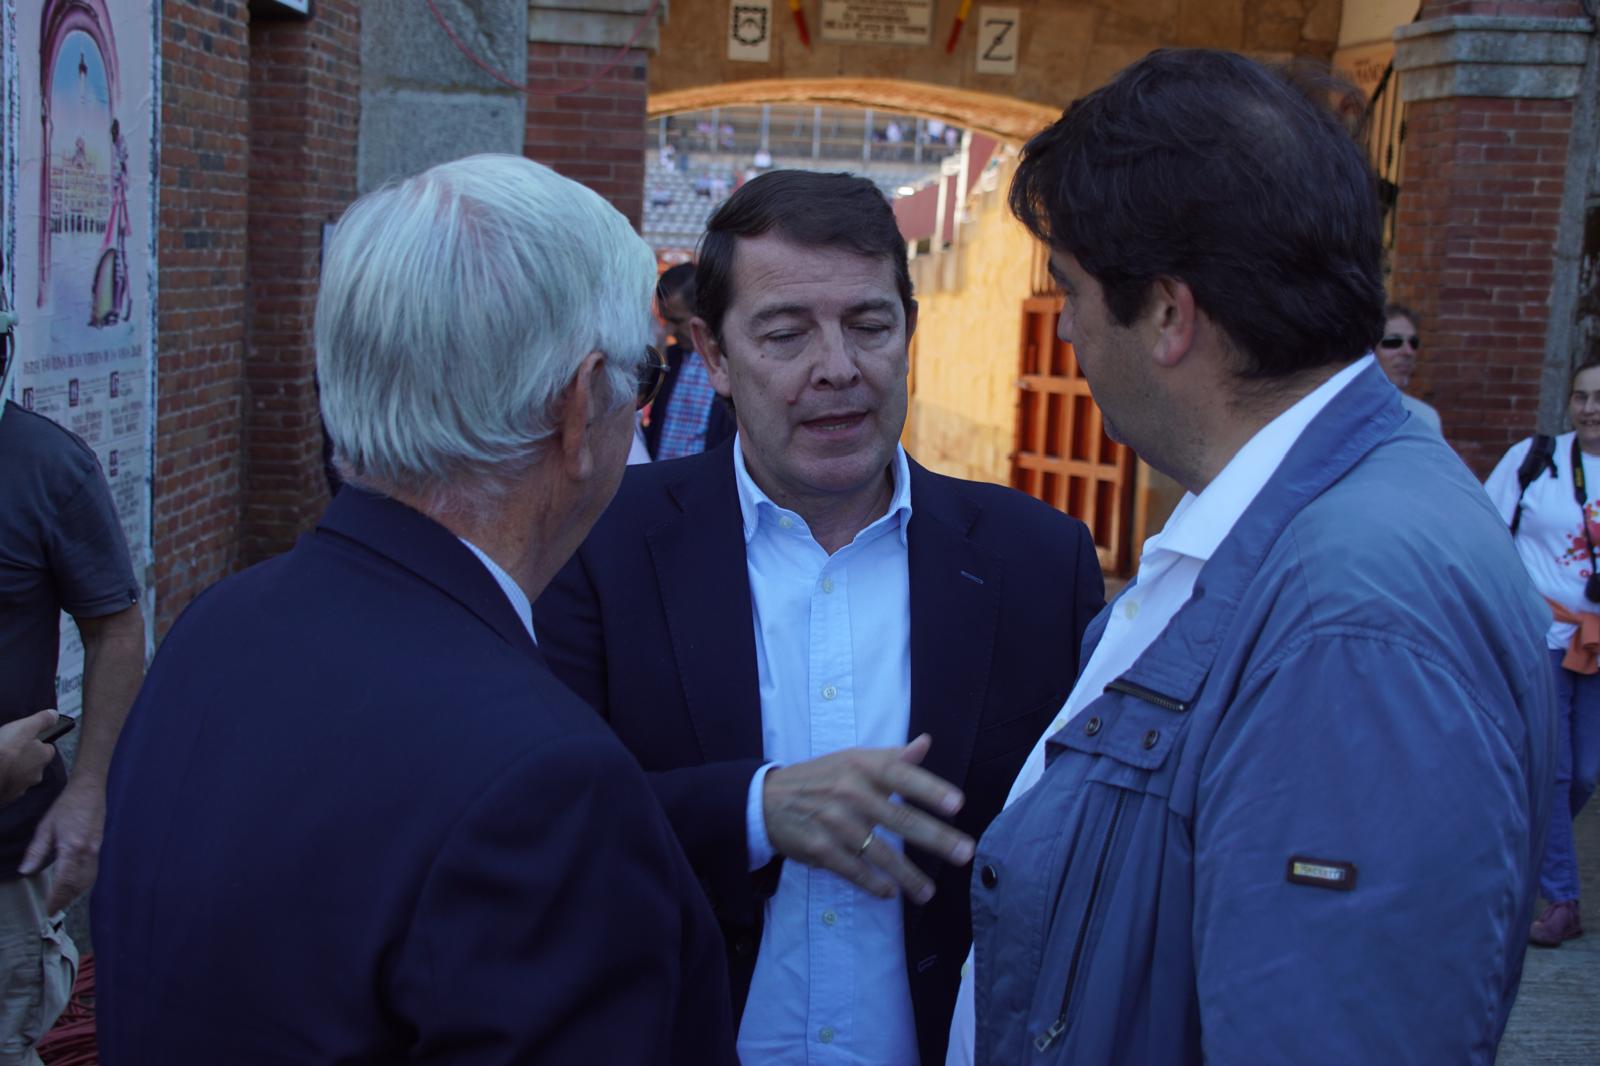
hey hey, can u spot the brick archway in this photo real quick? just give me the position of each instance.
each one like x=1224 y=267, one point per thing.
x=1005 y=118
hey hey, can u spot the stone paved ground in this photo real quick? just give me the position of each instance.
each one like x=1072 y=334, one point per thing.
x=1556 y=1021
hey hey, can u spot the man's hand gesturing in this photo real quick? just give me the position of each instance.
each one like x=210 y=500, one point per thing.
x=823 y=813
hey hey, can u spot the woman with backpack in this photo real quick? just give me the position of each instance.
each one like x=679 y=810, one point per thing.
x=1546 y=488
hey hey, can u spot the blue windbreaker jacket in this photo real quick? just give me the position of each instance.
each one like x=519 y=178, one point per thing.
x=1304 y=826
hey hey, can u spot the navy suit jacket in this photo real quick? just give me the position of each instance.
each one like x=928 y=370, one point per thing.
x=353 y=818
x=651 y=623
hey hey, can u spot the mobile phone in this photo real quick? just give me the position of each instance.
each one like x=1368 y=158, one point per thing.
x=63 y=726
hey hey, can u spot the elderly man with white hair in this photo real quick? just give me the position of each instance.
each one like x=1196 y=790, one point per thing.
x=354 y=818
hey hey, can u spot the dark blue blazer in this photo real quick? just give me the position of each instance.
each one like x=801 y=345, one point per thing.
x=651 y=623
x=353 y=818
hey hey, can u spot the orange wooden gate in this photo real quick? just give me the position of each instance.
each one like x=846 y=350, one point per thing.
x=1062 y=454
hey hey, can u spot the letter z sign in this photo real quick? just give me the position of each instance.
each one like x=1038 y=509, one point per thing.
x=998 y=45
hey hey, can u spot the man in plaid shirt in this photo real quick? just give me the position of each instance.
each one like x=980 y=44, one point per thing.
x=687 y=418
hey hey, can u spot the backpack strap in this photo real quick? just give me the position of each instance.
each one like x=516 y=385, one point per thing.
x=1541 y=457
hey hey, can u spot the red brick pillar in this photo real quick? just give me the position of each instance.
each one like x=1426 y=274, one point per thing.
x=595 y=135
x=1490 y=89
x=588 y=78
x=305 y=99
x=201 y=326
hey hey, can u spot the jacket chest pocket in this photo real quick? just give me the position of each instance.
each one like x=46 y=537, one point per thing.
x=1130 y=732
x=1122 y=749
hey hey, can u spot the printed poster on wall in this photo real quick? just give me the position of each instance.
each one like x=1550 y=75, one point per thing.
x=83 y=265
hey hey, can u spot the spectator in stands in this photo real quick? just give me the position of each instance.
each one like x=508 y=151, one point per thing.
x=1556 y=520
x=688 y=416
x=1397 y=354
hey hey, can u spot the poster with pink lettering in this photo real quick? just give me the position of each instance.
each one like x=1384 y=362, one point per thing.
x=83 y=132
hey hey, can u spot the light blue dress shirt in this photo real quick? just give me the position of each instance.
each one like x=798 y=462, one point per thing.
x=833 y=650
x=508 y=585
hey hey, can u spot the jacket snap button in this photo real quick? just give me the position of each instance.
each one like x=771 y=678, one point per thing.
x=1091 y=727
x=1151 y=738
x=990 y=876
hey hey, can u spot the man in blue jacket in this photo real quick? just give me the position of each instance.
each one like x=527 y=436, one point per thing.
x=354 y=817
x=1291 y=810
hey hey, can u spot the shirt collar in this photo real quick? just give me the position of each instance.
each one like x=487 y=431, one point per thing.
x=753 y=503
x=1200 y=523
x=508 y=585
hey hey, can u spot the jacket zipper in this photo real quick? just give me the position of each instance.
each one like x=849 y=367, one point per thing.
x=1059 y=1026
x=1146 y=694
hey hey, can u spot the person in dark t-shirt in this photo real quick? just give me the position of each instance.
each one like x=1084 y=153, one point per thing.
x=61 y=549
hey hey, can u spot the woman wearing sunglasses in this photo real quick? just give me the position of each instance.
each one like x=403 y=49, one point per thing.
x=1397 y=353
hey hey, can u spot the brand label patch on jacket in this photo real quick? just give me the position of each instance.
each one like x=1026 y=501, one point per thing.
x=1322 y=873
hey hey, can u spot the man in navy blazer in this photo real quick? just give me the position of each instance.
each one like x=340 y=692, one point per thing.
x=820 y=651
x=354 y=818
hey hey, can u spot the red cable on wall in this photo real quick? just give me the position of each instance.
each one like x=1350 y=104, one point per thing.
x=477 y=61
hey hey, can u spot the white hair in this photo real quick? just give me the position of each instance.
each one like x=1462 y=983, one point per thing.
x=454 y=310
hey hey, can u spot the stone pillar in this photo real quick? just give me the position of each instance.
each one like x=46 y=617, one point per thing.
x=423 y=101
x=1492 y=99
x=304 y=106
x=588 y=72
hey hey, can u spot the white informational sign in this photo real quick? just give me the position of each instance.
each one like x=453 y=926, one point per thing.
x=878 y=21
x=750 y=30
x=83 y=118
x=998 y=44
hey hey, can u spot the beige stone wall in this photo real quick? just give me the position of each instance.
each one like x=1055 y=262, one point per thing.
x=964 y=399
x=1067 y=46
x=1365 y=21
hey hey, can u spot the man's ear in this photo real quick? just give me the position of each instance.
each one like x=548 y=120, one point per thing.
x=581 y=407
x=1172 y=314
x=710 y=351
x=911 y=321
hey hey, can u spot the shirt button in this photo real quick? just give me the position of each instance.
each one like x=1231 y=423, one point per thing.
x=829 y=692
x=827 y=584
x=826 y=1035
x=784 y=522
x=1130 y=610
x=1091 y=727
x=828 y=917
x=989 y=876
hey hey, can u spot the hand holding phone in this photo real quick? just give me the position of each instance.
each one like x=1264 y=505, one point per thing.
x=63 y=726
x=24 y=755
